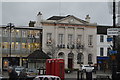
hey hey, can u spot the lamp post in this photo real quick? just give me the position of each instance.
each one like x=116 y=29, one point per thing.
x=10 y=26
x=114 y=68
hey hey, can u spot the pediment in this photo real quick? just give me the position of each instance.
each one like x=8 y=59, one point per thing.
x=73 y=20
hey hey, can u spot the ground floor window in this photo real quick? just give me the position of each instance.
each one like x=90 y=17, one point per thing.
x=61 y=55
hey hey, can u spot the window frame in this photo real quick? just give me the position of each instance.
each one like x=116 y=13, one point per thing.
x=48 y=38
x=90 y=40
x=101 y=38
x=101 y=51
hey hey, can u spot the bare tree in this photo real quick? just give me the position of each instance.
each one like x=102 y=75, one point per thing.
x=53 y=49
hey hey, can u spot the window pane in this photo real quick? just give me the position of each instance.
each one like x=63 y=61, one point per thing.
x=49 y=38
x=24 y=34
x=80 y=57
x=70 y=38
x=17 y=33
x=24 y=45
x=101 y=51
x=16 y=45
x=90 y=58
x=61 y=39
x=90 y=39
x=101 y=38
x=79 y=38
x=108 y=49
x=13 y=45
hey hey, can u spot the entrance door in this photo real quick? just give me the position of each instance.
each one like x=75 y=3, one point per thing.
x=70 y=60
x=70 y=63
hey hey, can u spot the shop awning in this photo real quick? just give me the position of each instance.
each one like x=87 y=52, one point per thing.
x=103 y=58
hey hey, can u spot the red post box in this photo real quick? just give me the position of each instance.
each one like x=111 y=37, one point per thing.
x=55 y=67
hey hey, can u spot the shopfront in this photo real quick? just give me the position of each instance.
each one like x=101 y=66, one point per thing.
x=103 y=63
x=10 y=61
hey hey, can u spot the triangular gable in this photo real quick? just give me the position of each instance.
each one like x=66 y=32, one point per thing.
x=72 y=19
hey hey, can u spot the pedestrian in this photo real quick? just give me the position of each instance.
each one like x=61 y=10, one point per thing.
x=22 y=75
x=104 y=68
x=12 y=74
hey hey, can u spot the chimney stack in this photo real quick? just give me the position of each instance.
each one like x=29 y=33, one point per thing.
x=39 y=19
x=87 y=18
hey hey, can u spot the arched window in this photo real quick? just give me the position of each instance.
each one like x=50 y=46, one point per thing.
x=70 y=55
x=80 y=58
x=89 y=58
x=61 y=55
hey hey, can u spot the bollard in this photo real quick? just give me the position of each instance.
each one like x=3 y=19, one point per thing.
x=78 y=75
x=81 y=76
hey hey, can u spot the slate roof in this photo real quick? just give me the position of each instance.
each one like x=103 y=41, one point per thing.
x=56 y=17
x=63 y=17
x=38 y=54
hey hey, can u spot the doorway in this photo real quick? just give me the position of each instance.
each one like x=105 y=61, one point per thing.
x=70 y=60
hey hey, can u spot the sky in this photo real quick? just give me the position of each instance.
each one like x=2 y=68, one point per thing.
x=20 y=13
x=0 y=12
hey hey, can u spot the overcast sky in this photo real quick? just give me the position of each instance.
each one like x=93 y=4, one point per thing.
x=20 y=13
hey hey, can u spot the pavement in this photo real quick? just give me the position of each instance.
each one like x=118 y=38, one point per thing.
x=98 y=74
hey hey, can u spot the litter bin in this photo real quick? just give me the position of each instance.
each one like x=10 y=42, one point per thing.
x=89 y=74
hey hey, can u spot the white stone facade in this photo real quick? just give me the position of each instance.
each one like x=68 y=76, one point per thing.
x=105 y=45
x=70 y=28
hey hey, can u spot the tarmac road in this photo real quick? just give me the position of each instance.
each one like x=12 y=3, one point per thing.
x=73 y=75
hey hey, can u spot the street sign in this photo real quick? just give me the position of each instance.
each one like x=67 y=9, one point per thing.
x=112 y=52
x=109 y=39
x=113 y=31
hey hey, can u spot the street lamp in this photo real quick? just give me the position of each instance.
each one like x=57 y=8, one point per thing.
x=114 y=44
x=10 y=26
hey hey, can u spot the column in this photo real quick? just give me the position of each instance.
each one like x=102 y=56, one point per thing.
x=56 y=38
x=66 y=37
x=56 y=35
x=75 y=34
x=75 y=61
x=66 y=60
x=85 y=57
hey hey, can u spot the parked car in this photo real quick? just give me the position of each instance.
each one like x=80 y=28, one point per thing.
x=31 y=72
x=3 y=78
x=18 y=69
x=84 y=67
x=46 y=77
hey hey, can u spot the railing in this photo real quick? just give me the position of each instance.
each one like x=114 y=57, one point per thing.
x=61 y=45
